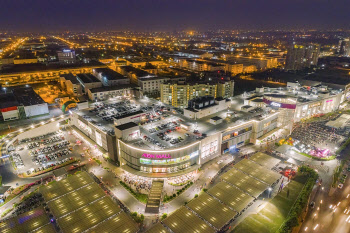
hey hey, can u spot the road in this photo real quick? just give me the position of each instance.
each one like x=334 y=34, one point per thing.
x=330 y=213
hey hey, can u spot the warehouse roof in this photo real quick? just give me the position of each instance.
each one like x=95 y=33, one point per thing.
x=112 y=88
x=109 y=74
x=27 y=96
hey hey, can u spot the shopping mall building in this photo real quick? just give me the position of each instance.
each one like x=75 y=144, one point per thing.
x=208 y=127
x=296 y=102
x=139 y=152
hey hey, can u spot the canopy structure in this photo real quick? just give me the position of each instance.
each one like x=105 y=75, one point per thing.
x=212 y=210
x=264 y=160
x=184 y=220
x=80 y=205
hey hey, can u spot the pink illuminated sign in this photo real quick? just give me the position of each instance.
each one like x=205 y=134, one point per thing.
x=329 y=101
x=152 y=156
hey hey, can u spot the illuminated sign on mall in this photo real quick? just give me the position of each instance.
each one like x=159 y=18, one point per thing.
x=152 y=156
x=275 y=104
x=314 y=105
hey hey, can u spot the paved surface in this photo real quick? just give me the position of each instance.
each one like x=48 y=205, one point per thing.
x=322 y=218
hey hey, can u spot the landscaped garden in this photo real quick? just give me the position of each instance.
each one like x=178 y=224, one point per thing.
x=139 y=196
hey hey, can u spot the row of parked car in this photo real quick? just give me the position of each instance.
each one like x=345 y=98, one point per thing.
x=53 y=139
x=155 y=142
x=17 y=160
x=45 y=158
x=37 y=138
x=33 y=145
x=47 y=166
x=48 y=148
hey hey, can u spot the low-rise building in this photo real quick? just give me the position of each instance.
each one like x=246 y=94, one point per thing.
x=30 y=103
x=70 y=83
x=139 y=62
x=66 y=56
x=205 y=106
x=88 y=81
x=103 y=93
x=200 y=65
x=39 y=73
x=151 y=86
x=133 y=73
x=110 y=77
x=261 y=63
x=8 y=107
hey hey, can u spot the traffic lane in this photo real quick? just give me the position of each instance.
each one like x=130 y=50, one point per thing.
x=329 y=219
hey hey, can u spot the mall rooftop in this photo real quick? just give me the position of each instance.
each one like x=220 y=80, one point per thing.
x=188 y=128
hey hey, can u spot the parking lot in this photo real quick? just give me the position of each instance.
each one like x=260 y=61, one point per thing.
x=39 y=153
x=167 y=132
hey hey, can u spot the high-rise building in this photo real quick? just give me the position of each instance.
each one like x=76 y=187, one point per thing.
x=178 y=95
x=302 y=56
x=344 y=47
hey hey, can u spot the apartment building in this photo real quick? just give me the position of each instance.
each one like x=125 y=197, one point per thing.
x=178 y=95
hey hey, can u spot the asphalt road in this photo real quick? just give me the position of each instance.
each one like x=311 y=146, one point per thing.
x=330 y=213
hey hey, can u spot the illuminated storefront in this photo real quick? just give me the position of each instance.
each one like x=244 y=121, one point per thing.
x=165 y=161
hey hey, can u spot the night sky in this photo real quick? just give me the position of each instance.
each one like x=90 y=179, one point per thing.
x=40 y=15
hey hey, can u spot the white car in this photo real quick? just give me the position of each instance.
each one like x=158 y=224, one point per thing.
x=220 y=161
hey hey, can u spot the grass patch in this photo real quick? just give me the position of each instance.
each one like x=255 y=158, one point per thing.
x=293 y=216
x=181 y=184
x=138 y=217
x=139 y=196
x=337 y=171
x=273 y=215
x=170 y=198
x=6 y=212
x=343 y=146
x=17 y=191
x=97 y=161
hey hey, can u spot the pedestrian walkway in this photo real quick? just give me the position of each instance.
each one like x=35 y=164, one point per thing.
x=154 y=197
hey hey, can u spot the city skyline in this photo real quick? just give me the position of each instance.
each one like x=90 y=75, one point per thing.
x=146 y=15
x=174 y=116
